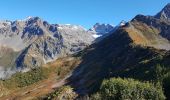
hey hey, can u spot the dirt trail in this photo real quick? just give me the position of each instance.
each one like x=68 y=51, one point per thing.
x=62 y=82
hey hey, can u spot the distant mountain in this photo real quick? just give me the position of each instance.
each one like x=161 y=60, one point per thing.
x=32 y=42
x=101 y=29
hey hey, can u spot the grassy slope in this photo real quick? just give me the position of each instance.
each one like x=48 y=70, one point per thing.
x=55 y=72
x=116 y=56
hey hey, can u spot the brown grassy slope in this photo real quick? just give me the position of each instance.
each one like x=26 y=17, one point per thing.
x=145 y=35
x=58 y=70
x=127 y=52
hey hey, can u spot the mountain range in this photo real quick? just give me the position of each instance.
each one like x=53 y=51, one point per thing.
x=32 y=42
x=87 y=57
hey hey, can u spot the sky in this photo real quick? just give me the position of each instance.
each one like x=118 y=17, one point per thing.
x=79 y=12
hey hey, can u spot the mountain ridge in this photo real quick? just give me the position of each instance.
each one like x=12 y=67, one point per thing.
x=133 y=49
x=36 y=42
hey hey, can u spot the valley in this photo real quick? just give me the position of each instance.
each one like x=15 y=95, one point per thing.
x=42 y=61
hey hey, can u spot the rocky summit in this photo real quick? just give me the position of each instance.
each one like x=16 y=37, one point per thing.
x=164 y=14
x=32 y=42
x=99 y=30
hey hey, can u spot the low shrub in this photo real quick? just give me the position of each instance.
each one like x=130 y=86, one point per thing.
x=62 y=93
x=129 y=89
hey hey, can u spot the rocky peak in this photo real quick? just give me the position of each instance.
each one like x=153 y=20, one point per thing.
x=101 y=29
x=37 y=42
x=164 y=14
x=150 y=20
x=4 y=24
x=33 y=20
x=122 y=23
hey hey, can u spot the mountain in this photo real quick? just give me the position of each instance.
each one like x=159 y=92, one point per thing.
x=138 y=49
x=164 y=14
x=101 y=29
x=118 y=55
x=33 y=42
x=148 y=31
x=132 y=51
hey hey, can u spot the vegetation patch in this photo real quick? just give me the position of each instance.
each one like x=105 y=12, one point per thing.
x=62 y=93
x=128 y=89
x=24 y=79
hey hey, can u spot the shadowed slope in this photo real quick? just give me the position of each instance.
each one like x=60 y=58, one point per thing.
x=131 y=51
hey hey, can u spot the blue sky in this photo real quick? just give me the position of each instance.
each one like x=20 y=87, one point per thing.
x=82 y=12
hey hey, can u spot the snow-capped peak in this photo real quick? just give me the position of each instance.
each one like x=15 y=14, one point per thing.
x=29 y=17
x=101 y=29
x=4 y=23
x=122 y=23
x=26 y=19
x=69 y=26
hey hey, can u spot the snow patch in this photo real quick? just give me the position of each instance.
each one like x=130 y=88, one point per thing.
x=22 y=20
x=60 y=27
x=96 y=36
x=68 y=24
